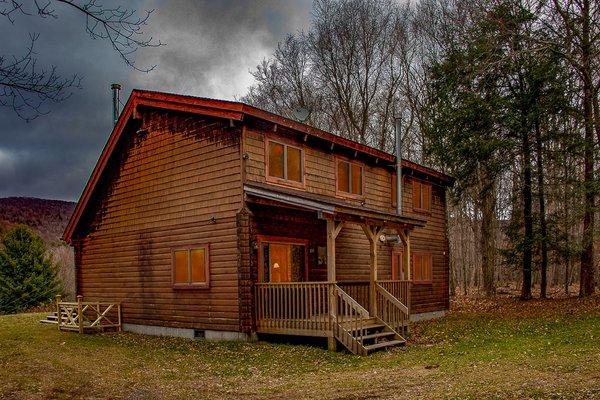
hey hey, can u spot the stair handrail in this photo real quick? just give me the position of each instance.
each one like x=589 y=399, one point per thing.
x=391 y=298
x=391 y=311
x=348 y=322
x=355 y=304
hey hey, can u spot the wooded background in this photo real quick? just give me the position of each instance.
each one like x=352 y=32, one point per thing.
x=503 y=95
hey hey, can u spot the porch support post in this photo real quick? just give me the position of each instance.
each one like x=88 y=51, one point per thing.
x=405 y=237
x=372 y=236
x=333 y=230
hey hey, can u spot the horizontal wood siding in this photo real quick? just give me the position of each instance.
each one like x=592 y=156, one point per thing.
x=352 y=256
x=430 y=239
x=320 y=170
x=177 y=182
x=352 y=248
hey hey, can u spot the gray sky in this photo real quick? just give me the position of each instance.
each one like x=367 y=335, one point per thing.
x=211 y=47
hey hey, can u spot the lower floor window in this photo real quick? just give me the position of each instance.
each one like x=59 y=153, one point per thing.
x=190 y=266
x=422 y=267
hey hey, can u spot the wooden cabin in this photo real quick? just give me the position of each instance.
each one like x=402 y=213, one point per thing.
x=215 y=219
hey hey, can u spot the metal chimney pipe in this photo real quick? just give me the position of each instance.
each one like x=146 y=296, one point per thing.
x=116 y=89
x=398 y=166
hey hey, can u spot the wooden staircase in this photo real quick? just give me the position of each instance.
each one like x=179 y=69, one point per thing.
x=53 y=319
x=373 y=334
x=50 y=319
x=360 y=332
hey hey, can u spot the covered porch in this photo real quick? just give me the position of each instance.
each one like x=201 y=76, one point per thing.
x=328 y=270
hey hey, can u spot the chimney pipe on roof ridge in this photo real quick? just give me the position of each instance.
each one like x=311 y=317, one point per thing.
x=116 y=89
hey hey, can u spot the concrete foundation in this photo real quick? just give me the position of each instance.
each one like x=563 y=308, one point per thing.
x=186 y=332
x=427 y=315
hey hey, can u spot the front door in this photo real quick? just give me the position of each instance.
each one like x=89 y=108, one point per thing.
x=282 y=259
x=280 y=262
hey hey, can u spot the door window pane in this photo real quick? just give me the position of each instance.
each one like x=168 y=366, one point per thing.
x=279 y=262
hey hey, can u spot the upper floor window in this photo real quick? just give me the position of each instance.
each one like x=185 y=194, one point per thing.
x=285 y=162
x=349 y=178
x=421 y=195
x=190 y=266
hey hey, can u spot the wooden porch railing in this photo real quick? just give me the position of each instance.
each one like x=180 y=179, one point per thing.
x=296 y=308
x=358 y=290
x=83 y=316
x=398 y=289
x=390 y=309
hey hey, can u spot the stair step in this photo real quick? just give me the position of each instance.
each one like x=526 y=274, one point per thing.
x=48 y=321
x=348 y=320
x=382 y=345
x=368 y=327
x=375 y=335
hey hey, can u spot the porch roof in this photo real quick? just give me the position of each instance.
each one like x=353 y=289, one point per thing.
x=327 y=207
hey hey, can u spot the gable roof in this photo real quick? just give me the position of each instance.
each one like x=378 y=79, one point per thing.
x=232 y=110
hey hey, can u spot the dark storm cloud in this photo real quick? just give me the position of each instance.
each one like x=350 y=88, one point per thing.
x=211 y=46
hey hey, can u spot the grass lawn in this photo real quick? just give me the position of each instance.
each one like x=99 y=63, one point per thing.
x=507 y=350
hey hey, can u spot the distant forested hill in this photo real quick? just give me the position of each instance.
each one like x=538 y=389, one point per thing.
x=48 y=217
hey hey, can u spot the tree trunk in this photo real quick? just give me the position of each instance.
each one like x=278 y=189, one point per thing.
x=527 y=216
x=586 y=276
x=542 y=205
x=488 y=237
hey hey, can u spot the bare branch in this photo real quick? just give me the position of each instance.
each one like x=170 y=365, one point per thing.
x=26 y=87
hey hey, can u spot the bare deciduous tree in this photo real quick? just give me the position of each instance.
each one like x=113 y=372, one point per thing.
x=26 y=86
x=363 y=62
x=347 y=70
